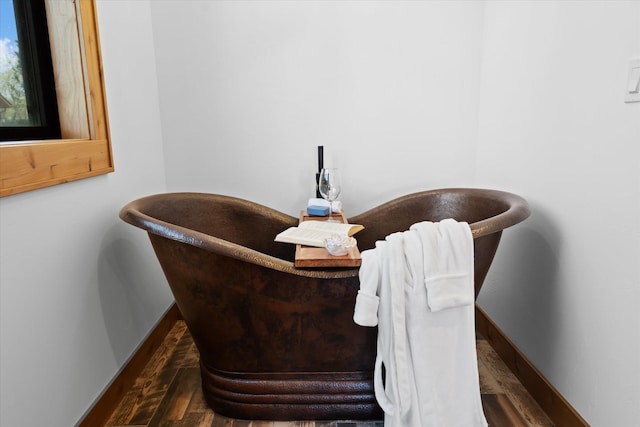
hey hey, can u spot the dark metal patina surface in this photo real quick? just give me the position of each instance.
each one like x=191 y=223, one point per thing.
x=277 y=342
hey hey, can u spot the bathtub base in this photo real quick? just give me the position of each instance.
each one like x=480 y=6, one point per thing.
x=291 y=396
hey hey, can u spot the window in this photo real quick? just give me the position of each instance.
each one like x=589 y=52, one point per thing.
x=83 y=148
x=27 y=85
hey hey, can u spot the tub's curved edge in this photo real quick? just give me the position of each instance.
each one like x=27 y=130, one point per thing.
x=517 y=212
x=131 y=214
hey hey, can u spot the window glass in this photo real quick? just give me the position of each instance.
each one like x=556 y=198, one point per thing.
x=28 y=104
x=13 y=107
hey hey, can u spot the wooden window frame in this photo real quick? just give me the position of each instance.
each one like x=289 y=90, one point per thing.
x=30 y=165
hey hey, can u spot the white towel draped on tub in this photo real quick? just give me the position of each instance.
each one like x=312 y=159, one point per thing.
x=417 y=287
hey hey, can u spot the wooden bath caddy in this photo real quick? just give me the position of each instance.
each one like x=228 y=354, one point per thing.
x=309 y=256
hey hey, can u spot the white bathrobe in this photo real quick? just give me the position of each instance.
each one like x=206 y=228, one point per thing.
x=417 y=287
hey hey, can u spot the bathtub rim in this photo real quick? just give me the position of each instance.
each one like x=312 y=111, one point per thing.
x=132 y=213
x=517 y=208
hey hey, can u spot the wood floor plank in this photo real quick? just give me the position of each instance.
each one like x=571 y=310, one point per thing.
x=195 y=420
x=488 y=383
x=220 y=421
x=499 y=411
x=177 y=399
x=198 y=404
x=154 y=391
x=192 y=358
x=512 y=388
x=140 y=402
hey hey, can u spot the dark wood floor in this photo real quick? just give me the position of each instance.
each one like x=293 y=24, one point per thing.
x=168 y=394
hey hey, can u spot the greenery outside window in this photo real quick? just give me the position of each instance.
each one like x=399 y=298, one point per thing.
x=83 y=148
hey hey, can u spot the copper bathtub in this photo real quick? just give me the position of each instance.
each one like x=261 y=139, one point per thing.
x=277 y=342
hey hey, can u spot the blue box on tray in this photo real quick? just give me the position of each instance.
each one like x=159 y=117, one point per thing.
x=318 y=210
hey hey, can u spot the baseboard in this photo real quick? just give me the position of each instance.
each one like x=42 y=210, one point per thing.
x=99 y=414
x=549 y=399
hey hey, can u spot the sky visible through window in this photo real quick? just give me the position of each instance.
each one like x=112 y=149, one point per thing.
x=8 y=35
x=13 y=107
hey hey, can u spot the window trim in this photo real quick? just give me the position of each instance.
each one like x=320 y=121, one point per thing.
x=31 y=165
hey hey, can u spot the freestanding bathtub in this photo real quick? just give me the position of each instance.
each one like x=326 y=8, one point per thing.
x=278 y=342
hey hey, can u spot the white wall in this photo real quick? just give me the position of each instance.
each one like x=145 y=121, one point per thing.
x=79 y=288
x=565 y=285
x=249 y=89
